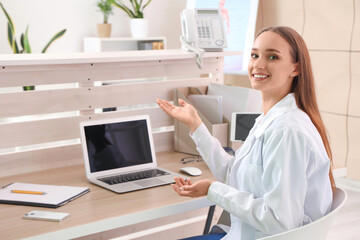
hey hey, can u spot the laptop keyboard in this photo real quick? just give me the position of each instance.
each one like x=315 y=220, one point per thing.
x=133 y=176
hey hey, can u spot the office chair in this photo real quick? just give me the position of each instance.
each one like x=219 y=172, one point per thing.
x=315 y=230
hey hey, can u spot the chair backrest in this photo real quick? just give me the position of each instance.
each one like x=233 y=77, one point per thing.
x=316 y=230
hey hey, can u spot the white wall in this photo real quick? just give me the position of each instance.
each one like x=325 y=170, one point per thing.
x=79 y=17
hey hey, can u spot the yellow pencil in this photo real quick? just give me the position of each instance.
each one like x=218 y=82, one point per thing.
x=28 y=192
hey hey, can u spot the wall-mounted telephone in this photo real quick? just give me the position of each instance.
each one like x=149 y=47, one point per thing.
x=204 y=28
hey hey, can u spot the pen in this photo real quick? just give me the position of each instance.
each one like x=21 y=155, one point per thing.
x=28 y=192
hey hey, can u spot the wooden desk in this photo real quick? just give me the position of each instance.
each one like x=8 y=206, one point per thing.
x=100 y=210
x=41 y=130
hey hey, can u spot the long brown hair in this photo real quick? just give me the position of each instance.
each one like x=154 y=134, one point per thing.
x=303 y=85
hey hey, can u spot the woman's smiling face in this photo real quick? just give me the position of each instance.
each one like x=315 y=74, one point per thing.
x=271 y=68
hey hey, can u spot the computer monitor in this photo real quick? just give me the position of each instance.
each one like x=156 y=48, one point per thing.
x=241 y=124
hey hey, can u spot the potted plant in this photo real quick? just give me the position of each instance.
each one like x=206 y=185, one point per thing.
x=104 y=29
x=24 y=40
x=135 y=10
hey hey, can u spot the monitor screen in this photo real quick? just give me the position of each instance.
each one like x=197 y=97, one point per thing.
x=116 y=145
x=241 y=125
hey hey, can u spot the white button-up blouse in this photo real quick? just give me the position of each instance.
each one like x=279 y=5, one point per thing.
x=278 y=180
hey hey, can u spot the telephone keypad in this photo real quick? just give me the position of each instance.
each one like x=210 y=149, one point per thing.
x=203 y=28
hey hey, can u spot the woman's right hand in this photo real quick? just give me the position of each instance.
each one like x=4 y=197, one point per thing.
x=186 y=188
x=185 y=113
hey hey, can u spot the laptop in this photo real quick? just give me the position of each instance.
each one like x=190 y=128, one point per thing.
x=119 y=154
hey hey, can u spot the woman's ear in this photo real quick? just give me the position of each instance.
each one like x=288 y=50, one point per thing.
x=295 y=72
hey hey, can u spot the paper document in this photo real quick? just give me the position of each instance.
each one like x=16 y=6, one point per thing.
x=236 y=99
x=52 y=196
x=209 y=105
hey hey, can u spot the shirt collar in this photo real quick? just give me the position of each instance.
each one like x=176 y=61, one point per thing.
x=286 y=104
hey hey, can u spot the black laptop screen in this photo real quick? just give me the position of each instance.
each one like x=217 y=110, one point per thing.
x=116 y=145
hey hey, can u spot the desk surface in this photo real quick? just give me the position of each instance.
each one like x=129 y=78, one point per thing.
x=99 y=210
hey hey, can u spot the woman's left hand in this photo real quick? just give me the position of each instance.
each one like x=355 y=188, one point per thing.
x=188 y=189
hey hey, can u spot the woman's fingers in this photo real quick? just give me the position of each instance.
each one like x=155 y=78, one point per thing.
x=168 y=108
x=180 y=191
x=181 y=186
x=182 y=102
x=175 y=187
x=179 y=182
x=184 y=181
x=189 y=182
x=164 y=105
x=167 y=104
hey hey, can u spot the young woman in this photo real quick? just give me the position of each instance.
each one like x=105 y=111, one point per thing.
x=280 y=178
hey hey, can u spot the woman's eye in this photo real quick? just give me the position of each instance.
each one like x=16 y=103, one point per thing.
x=253 y=55
x=273 y=57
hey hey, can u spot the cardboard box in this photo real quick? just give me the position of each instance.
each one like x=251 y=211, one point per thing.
x=182 y=139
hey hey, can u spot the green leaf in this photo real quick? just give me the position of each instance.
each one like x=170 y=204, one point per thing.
x=146 y=5
x=11 y=31
x=135 y=5
x=105 y=6
x=56 y=36
x=10 y=22
x=10 y=37
x=124 y=8
x=12 y=40
x=22 y=41
x=139 y=15
x=27 y=48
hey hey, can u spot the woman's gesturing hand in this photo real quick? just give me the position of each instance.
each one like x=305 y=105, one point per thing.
x=185 y=113
x=187 y=189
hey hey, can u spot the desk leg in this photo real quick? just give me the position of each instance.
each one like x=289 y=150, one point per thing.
x=209 y=219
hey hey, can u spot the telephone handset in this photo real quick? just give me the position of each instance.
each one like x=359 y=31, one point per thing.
x=202 y=30
x=188 y=26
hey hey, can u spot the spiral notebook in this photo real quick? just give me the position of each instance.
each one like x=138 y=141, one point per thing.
x=39 y=195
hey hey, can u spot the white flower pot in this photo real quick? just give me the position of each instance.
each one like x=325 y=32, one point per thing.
x=139 y=27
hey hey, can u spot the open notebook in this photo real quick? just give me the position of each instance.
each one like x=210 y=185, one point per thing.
x=40 y=195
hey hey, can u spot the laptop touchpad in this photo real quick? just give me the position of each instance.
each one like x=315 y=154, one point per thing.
x=150 y=182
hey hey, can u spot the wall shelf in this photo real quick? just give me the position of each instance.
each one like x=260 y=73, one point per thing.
x=95 y=44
